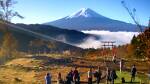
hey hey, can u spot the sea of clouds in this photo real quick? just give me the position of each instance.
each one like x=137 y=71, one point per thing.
x=120 y=37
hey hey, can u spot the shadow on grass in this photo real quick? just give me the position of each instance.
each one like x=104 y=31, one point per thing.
x=131 y=83
x=47 y=61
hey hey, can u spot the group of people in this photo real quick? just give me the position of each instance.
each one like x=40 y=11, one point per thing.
x=97 y=74
x=73 y=77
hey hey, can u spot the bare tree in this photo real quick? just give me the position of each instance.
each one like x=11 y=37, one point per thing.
x=6 y=10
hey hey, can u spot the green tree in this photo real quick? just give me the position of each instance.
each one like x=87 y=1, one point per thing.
x=134 y=40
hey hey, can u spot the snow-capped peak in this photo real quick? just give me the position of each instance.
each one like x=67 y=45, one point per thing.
x=84 y=12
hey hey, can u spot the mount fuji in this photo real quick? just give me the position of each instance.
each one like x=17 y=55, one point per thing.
x=87 y=19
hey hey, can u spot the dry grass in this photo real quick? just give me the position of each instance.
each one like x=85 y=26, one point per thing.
x=22 y=70
x=10 y=76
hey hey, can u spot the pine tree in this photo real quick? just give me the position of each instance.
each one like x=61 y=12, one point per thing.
x=134 y=40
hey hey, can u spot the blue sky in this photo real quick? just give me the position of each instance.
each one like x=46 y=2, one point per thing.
x=41 y=11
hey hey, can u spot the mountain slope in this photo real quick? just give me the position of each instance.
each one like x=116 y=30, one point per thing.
x=40 y=44
x=87 y=19
x=64 y=35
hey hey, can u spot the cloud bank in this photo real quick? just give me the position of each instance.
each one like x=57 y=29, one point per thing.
x=120 y=37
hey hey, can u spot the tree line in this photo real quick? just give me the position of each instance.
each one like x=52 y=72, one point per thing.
x=140 y=45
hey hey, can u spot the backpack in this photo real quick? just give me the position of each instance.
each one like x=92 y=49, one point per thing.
x=115 y=76
x=133 y=71
x=96 y=74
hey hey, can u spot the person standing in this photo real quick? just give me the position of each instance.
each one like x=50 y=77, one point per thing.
x=114 y=59
x=75 y=75
x=90 y=76
x=113 y=76
x=48 y=78
x=108 y=79
x=70 y=74
x=69 y=79
x=133 y=73
x=59 y=81
x=78 y=82
x=98 y=74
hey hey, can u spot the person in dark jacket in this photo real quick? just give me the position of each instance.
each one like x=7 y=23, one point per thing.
x=78 y=82
x=113 y=76
x=108 y=79
x=75 y=75
x=69 y=79
x=70 y=74
x=48 y=78
x=133 y=73
x=97 y=75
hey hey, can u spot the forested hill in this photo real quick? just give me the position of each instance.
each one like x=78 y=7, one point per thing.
x=27 y=41
x=70 y=36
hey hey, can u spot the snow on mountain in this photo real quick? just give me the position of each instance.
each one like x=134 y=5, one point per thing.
x=87 y=19
x=84 y=13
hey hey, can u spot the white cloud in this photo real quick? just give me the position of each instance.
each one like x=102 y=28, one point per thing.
x=121 y=37
x=90 y=43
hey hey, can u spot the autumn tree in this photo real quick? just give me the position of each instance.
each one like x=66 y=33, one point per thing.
x=9 y=43
x=146 y=41
x=141 y=44
x=41 y=45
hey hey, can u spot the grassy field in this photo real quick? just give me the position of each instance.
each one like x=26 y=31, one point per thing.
x=127 y=77
x=32 y=69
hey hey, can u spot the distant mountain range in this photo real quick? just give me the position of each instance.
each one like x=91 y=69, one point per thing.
x=87 y=19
